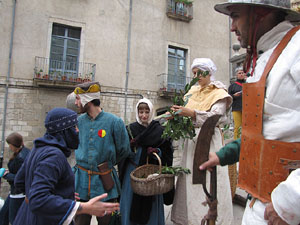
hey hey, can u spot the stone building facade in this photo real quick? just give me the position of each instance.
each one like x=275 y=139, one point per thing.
x=134 y=48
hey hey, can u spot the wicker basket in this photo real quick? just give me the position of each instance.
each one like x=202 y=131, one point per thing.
x=159 y=184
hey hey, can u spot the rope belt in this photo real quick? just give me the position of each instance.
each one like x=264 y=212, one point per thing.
x=90 y=173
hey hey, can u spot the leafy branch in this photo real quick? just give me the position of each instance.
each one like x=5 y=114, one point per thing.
x=180 y=126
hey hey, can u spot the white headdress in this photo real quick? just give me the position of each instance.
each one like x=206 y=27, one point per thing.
x=151 y=114
x=205 y=64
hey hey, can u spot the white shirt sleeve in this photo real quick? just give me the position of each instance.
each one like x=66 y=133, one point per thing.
x=286 y=199
x=219 y=108
x=72 y=214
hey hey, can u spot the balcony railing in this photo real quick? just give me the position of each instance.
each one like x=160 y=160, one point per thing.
x=55 y=70
x=168 y=84
x=180 y=10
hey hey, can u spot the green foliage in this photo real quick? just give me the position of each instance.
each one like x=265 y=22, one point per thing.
x=226 y=131
x=174 y=170
x=239 y=132
x=202 y=73
x=180 y=126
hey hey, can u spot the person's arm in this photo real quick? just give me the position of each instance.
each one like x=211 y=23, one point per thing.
x=93 y=207
x=19 y=180
x=96 y=207
x=50 y=169
x=230 y=153
x=234 y=93
x=227 y=155
x=286 y=201
x=14 y=166
x=230 y=90
x=121 y=139
x=199 y=117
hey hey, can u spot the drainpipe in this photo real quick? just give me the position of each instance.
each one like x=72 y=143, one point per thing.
x=128 y=60
x=7 y=82
x=230 y=47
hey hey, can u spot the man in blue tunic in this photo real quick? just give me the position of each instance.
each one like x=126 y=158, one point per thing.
x=48 y=180
x=103 y=143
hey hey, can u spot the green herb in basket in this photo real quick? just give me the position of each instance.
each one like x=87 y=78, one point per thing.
x=174 y=170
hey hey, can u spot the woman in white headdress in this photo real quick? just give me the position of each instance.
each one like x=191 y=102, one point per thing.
x=145 y=138
x=204 y=100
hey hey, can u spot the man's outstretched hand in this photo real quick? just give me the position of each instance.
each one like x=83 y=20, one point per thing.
x=98 y=208
x=213 y=160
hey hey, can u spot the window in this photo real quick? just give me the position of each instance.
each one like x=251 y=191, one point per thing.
x=180 y=10
x=176 y=68
x=64 y=52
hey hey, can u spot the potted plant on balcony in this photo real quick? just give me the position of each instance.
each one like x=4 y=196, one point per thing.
x=51 y=75
x=46 y=76
x=37 y=72
x=72 y=77
x=79 y=79
x=63 y=77
x=88 y=77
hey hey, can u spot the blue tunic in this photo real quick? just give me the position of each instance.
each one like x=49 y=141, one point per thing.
x=101 y=139
x=48 y=181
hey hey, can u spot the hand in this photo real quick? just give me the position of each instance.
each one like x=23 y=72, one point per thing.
x=6 y=172
x=97 y=208
x=237 y=94
x=151 y=150
x=77 y=198
x=272 y=216
x=183 y=111
x=133 y=143
x=213 y=160
x=168 y=116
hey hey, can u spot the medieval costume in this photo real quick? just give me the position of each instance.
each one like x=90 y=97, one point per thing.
x=280 y=111
x=46 y=176
x=103 y=139
x=273 y=136
x=136 y=209
x=210 y=100
x=15 y=198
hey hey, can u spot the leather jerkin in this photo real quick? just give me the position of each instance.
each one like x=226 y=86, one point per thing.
x=263 y=163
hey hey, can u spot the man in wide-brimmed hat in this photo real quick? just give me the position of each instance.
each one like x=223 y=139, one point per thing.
x=270 y=142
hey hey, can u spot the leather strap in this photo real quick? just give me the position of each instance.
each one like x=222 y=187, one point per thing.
x=90 y=173
x=238 y=83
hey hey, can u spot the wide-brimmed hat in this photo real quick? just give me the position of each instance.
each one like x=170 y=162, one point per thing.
x=281 y=5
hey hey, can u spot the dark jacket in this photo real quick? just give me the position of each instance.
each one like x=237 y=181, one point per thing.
x=237 y=101
x=13 y=166
x=145 y=137
x=48 y=181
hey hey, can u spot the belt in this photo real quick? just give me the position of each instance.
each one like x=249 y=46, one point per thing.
x=26 y=200
x=90 y=173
